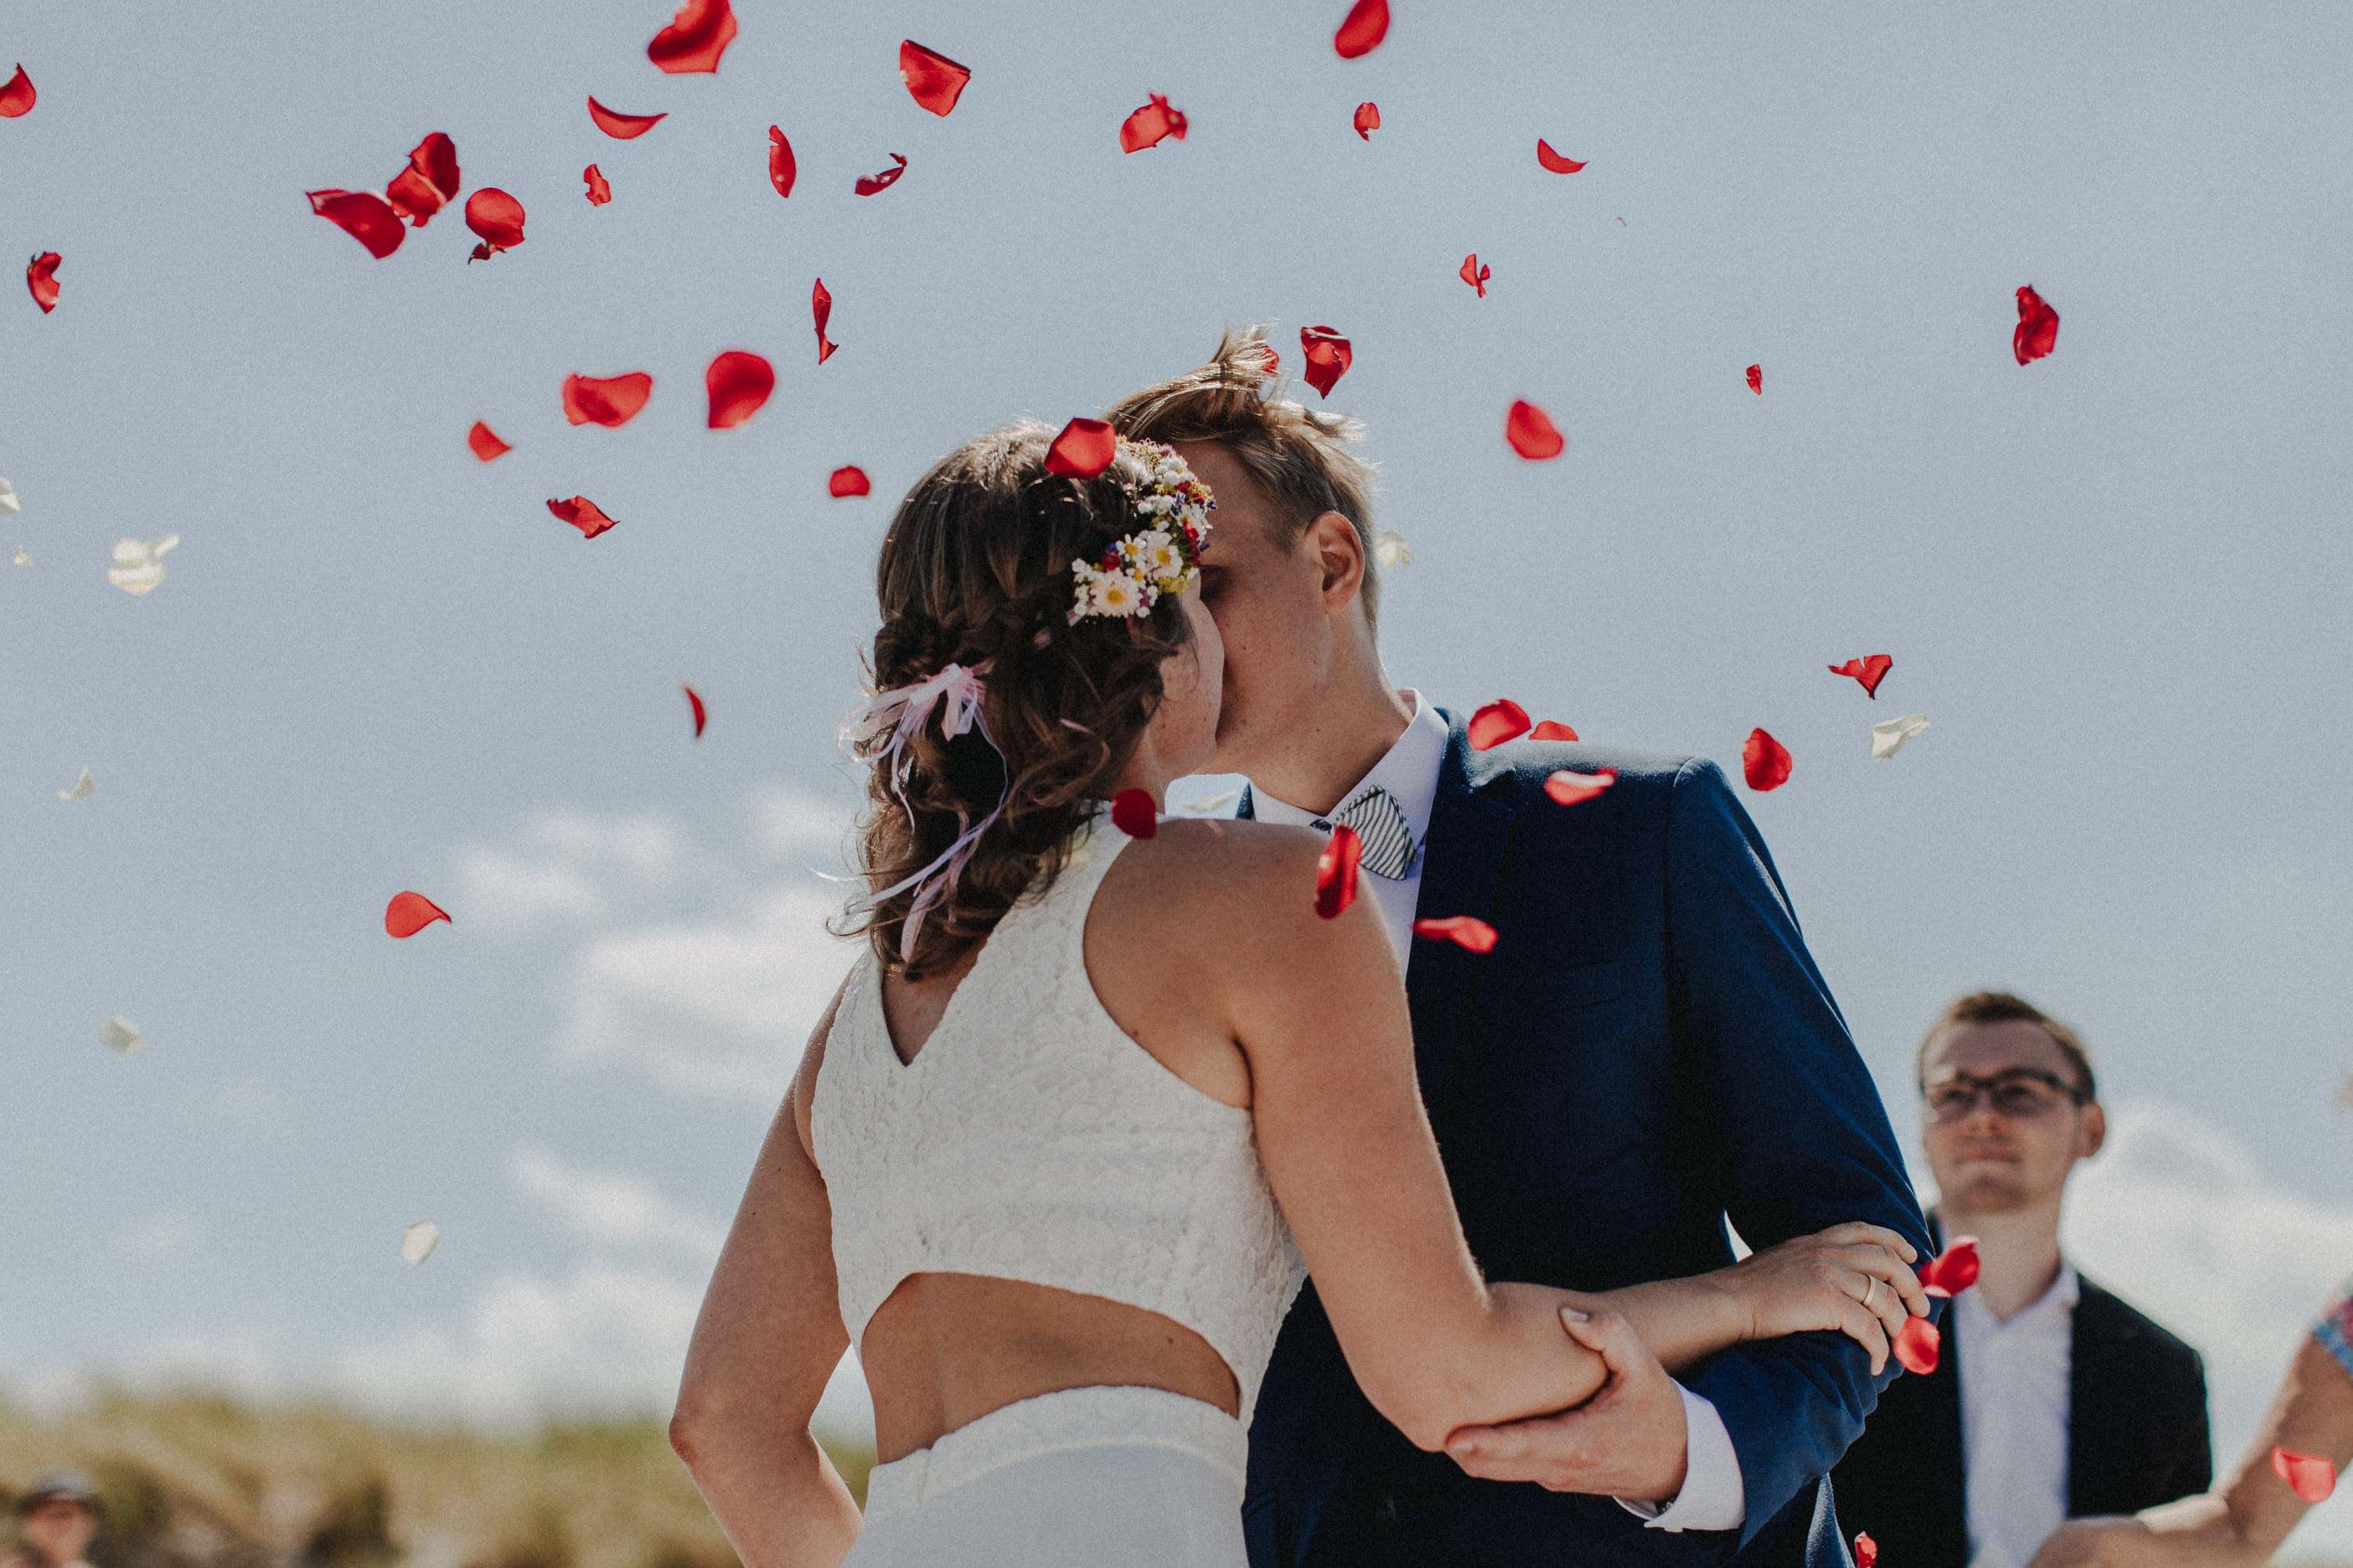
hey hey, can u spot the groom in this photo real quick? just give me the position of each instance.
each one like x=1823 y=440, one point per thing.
x=1647 y=1051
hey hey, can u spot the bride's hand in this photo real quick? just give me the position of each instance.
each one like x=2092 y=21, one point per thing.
x=1853 y=1278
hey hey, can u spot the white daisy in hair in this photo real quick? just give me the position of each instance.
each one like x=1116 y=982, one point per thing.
x=1154 y=555
x=1119 y=593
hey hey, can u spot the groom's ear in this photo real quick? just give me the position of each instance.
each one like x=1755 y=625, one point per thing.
x=1339 y=554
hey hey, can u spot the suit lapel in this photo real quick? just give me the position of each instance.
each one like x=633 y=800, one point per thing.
x=2098 y=1376
x=1462 y=858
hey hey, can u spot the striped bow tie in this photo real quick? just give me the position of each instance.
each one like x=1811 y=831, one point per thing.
x=1379 y=821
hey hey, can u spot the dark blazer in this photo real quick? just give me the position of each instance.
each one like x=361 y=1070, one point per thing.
x=2135 y=1438
x=1647 y=1050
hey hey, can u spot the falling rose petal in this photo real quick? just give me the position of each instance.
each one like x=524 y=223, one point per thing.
x=1273 y=362
x=138 y=567
x=1917 y=1345
x=1328 y=357
x=1532 y=433
x=41 y=278
x=1765 y=761
x=18 y=96
x=1953 y=1270
x=1390 y=550
x=1866 y=1551
x=120 y=1035
x=1757 y=379
x=932 y=79
x=1083 y=449
x=695 y=37
x=485 y=442
x=364 y=216
x=782 y=170
x=622 y=127
x=1888 y=739
x=610 y=401
x=423 y=188
x=23 y=557
x=1549 y=731
x=83 y=788
x=1133 y=813
x=821 y=307
x=1336 y=871
x=1150 y=125
x=2038 y=327
x=1476 y=275
x=1368 y=120
x=9 y=505
x=874 y=184
x=694 y=701
x=850 y=480
x=1500 y=720
x=2310 y=1478
x=409 y=913
x=1555 y=162
x=600 y=190
x=1367 y=23
x=418 y=1240
x=1463 y=930
x=1571 y=789
x=739 y=381
x=412 y=195
x=1870 y=672
x=583 y=514
x=496 y=216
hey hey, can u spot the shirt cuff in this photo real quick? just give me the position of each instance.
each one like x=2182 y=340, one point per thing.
x=1714 y=1497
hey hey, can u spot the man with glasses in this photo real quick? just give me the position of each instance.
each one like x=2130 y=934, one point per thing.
x=2052 y=1399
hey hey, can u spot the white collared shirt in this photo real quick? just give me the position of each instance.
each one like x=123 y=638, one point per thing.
x=1713 y=1496
x=2015 y=1397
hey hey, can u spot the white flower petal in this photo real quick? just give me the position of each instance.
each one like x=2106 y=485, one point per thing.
x=24 y=557
x=418 y=1240
x=1390 y=549
x=161 y=545
x=1888 y=739
x=1208 y=805
x=120 y=1035
x=136 y=568
x=9 y=504
x=82 y=787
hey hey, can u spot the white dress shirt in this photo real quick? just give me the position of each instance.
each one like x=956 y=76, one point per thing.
x=1713 y=1496
x=2014 y=1409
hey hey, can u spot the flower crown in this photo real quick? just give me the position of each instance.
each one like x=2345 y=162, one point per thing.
x=1163 y=558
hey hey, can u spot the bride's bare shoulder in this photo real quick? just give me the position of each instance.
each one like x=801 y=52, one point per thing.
x=1239 y=873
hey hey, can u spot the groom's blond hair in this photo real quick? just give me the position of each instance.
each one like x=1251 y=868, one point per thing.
x=1300 y=456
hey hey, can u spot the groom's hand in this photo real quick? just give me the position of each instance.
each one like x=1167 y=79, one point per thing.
x=1628 y=1440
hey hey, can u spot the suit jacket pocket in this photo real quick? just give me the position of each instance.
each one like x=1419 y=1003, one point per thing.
x=1554 y=991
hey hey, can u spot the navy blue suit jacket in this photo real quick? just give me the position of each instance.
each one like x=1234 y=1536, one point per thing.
x=1647 y=1050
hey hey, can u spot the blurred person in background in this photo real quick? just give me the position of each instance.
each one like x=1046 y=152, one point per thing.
x=2052 y=1399
x=57 y=1520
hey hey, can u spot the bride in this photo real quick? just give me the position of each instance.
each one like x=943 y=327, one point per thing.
x=1100 y=1092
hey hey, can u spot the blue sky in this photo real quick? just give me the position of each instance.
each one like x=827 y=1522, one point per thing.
x=2114 y=580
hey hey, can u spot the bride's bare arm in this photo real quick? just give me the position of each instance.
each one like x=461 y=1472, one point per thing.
x=768 y=1337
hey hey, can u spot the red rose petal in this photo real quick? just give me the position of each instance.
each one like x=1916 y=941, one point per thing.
x=872 y=184
x=1549 y=731
x=1757 y=379
x=364 y=216
x=409 y=913
x=583 y=514
x=496 y=216
x=695 y=37
x=1133 y=813
x=1554 y=160
x=1870 y=672
x=1148 y=126
x=412 y=195
x=1766 y=762
x=1368 y=120
x=1328 y=357
x=18 y=96
x=1917 y=1345
x=2038 y=327
x=1953 y=1270
x=420 y=190
x=622 y=127
x=1462 y=930
x=1532 y=433
x=848 y=481
x=739 y=381
x=695 y=701
x=782 y=170
x=821 y=307
x=1273 y=361
x=41 y=274
x=486 y=443
x=1476 y=275
x=600 y=190
x=1083 y=449
x=2309 y=1477
x=1366 y=24
x=1570 y=789
x=932 y=79
x=1336 y=871
x=1500 y=720
x=1866 y=1551
x=610 y=401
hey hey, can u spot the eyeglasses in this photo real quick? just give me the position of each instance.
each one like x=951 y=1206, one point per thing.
x=2021 y=1093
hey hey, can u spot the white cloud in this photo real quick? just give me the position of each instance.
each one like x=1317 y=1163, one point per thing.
x=616 y=1210
x=163 y=1235
x=787 y=821
x=567 y=864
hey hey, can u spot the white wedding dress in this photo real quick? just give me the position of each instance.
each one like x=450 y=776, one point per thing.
x=1031 y=1139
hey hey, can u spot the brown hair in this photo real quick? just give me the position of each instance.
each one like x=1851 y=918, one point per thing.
x=2001 y=1007
x=976 y=572
x=1298 y=455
